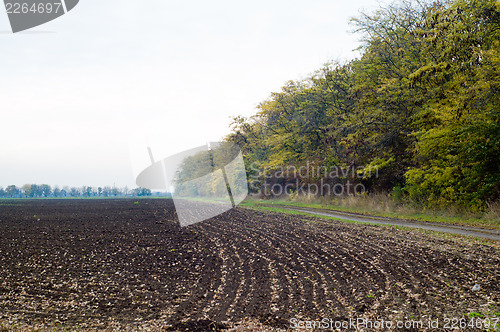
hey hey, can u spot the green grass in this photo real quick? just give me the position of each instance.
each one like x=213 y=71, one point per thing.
x=409 y=214
x=476 y=314
x=292 y=212
x=490 y=316
x=213 y=200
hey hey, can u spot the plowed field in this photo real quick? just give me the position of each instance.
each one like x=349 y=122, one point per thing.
x=114 y=264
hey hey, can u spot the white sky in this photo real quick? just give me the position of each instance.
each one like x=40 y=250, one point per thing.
x=77 y=92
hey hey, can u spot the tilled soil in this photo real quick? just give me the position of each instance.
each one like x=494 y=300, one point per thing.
x=116 y=264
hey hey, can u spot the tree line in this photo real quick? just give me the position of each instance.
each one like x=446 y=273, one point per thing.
x=44 y=190
x=421 y=104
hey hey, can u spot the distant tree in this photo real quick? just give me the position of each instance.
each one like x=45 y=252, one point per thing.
x=44 y=190
x=139 y=192
x=56 y=192
x=12 y=191
x=2 y=192
x=87 y=191
x=106 y=191
x=74 y=192
x=26 y=190
x=115 y=191
x=37 y=190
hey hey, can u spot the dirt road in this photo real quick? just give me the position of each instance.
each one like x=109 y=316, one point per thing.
x=483 y=233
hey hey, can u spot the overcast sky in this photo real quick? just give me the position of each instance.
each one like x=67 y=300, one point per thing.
x=84 y=95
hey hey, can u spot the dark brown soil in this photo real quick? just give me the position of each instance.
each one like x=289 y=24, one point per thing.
x=110 y=264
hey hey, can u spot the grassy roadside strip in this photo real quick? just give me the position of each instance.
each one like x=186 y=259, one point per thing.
x=447 y=236
x=410 y=216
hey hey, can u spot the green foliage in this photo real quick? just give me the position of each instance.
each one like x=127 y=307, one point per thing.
x=457 y=153
x=398 y=193
x=422 y=104
x=206 y=173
